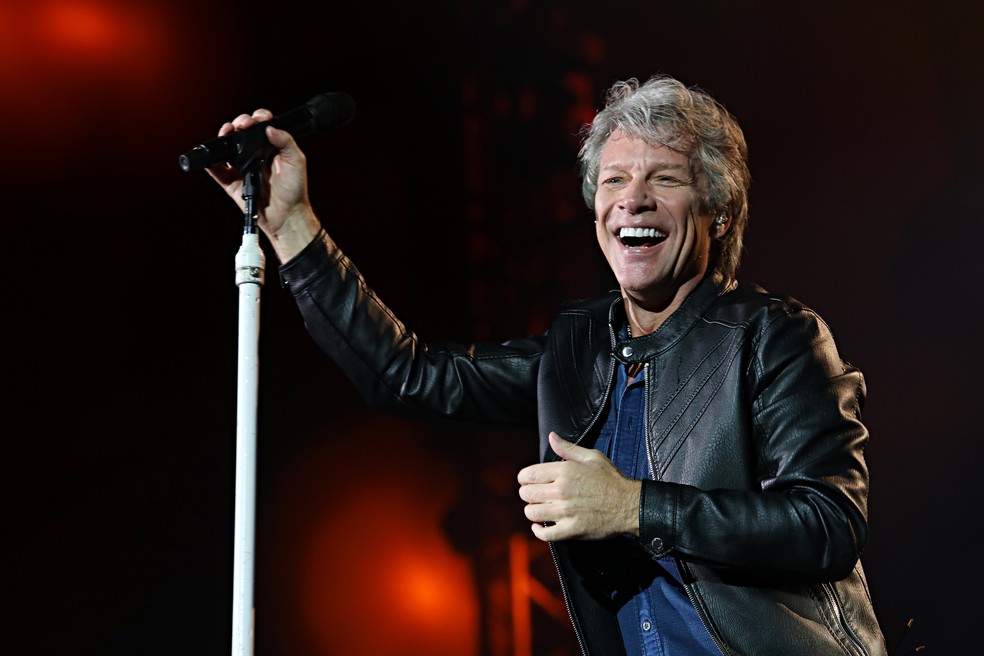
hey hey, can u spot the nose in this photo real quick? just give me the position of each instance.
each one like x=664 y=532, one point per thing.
x=638 y=198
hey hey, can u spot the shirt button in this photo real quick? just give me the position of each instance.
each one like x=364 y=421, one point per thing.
x=627 y=351
x=647 y=625
x=657 y=543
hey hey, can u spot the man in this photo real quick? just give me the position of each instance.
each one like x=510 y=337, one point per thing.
x=703 y=486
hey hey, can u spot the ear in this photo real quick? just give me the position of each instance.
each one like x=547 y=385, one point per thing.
x=721 y=224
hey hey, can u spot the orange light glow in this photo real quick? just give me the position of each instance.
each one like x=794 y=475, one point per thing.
x=102 y=37
x=75 y=71
x=423 y=588
x=87 y=27
x=373 y=571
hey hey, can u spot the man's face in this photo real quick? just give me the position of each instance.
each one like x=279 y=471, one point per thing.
x=649 y=223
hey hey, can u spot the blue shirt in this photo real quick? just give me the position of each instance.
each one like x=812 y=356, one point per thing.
x=655 y=615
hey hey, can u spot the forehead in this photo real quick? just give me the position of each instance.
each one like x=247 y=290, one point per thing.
x=624 y=150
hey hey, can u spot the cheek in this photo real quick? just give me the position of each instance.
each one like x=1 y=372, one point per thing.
x=604 y=201
x=599 y=208
x=601 y=234
x=600 y=218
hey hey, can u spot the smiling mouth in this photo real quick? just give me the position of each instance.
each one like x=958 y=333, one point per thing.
x=640 y=237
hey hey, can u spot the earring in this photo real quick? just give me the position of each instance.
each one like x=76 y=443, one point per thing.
x=721 y=220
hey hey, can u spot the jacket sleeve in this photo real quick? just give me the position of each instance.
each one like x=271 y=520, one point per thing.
x=391 y=367
x=805 y=514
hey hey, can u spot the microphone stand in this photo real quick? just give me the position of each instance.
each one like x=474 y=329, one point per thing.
x=250 y=262
x=246 y=151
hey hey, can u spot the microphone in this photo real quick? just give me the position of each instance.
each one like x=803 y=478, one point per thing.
x=323 y=113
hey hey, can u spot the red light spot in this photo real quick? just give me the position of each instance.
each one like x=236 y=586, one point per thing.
x=371 y=569
x=423 y=589
x=75 y=70
x=83 y=28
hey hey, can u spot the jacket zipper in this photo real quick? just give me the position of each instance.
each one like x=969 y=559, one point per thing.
x=567 y=603
x=685 y=572
x=839 y=612
x=553 y=553
x=645 y=427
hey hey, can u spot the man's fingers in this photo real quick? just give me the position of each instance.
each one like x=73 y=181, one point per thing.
x=538 y=493
x=541 y=531
x=569 y=450
x=542 y=512
x=551 y=531
x=278 y=138
x=545 y=472
x=244 y=121
x=528 y=475
x=223 y=174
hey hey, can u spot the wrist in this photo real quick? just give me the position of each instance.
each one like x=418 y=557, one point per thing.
x=634 y=502
x=294 y=234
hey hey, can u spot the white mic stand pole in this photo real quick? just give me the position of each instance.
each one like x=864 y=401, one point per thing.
x=249 y=278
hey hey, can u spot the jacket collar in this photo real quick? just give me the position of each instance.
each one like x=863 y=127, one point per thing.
x=639 y=349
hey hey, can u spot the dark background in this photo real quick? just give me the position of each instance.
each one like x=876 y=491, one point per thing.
x=455 y=191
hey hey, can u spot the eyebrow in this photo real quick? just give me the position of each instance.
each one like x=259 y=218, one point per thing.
x=662 y=166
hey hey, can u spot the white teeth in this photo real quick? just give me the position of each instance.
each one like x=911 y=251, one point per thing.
x=640 y=232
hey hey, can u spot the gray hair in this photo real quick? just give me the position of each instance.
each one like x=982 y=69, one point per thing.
x=665 y=111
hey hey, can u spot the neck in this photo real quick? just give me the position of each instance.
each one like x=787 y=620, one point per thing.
x=646 y=316
x=642 y=321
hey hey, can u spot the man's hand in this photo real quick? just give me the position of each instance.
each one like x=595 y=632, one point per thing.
x=285 y=213
x=584 y=497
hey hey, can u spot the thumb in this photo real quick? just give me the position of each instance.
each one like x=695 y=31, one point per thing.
x=567 y=450
x=289 y=163
x=287 y=149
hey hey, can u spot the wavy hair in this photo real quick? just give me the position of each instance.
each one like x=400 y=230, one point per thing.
x=687 y=119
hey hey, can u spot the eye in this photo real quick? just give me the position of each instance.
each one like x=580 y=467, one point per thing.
x=613 y=180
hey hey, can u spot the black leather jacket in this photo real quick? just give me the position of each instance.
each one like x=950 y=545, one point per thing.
x=753 y=432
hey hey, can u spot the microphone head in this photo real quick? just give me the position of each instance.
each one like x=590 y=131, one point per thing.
x=331 y=111
x=323 y=113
